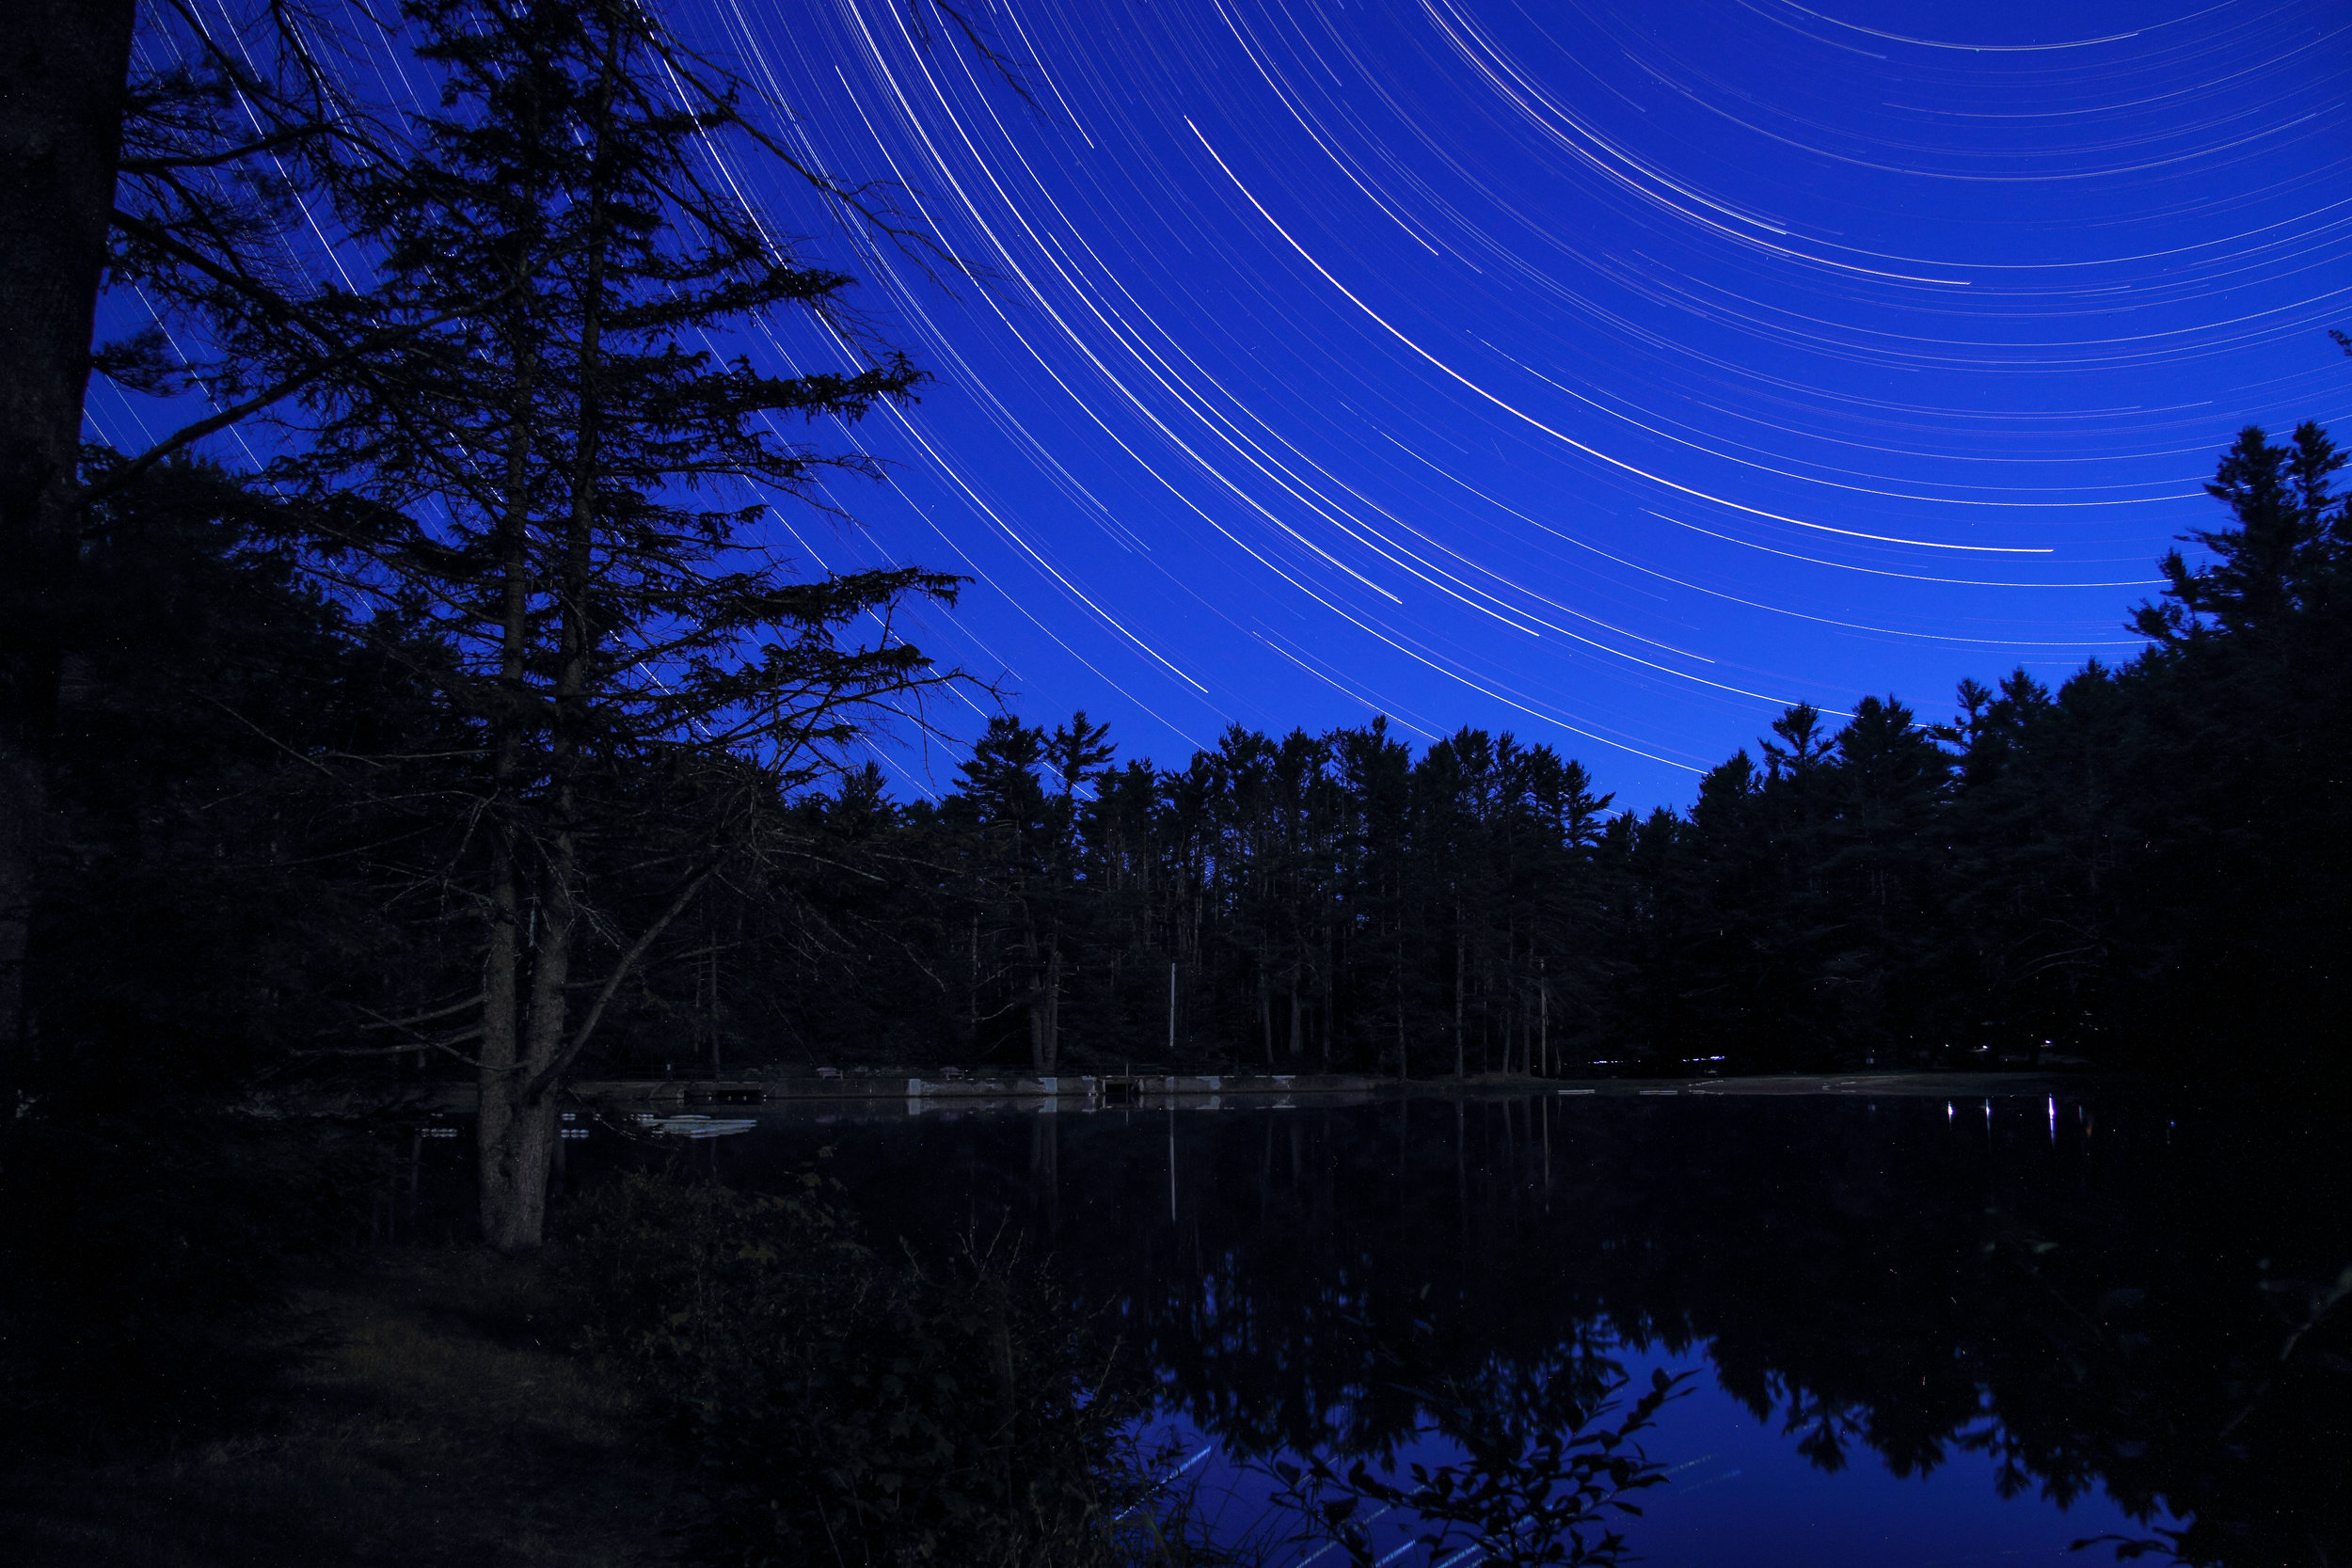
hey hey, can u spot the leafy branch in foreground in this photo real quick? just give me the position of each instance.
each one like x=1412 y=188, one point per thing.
x=1514 y=1499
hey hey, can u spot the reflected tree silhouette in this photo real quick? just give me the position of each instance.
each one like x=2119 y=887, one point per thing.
x=1534 y=1486
x=2116 y=1294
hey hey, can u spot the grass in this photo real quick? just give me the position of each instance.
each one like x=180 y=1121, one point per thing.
x=440 y=1422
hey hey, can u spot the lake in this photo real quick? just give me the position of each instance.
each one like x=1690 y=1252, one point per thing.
x=1922 y=1330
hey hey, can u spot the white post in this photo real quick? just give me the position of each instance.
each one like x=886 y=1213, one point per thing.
x=1171 y=1011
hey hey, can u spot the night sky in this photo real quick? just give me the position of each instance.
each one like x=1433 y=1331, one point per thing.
x=1612 y=374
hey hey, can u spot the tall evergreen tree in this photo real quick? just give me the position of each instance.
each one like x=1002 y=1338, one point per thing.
x=530 y=479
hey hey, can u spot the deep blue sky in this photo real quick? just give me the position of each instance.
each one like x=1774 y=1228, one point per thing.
x=1616 y=374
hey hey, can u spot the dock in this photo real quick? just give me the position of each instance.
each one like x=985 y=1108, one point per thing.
x=951 y=1087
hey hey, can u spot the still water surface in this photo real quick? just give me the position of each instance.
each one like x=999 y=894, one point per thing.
x=1923 y=1331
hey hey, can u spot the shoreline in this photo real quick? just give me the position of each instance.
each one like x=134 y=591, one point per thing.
x=1129 y=1091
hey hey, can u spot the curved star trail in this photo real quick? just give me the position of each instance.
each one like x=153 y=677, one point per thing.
x=1614 y=374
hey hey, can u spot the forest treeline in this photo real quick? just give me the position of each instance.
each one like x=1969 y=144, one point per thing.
x=2144 y=865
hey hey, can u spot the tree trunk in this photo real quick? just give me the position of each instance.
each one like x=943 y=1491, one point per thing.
x=515 y=1163
x=1403 y=1073
x=62 y=69
x=1045 y=1012
x=505 y=944
x=1542 y=1027
x=517 y=1136
x=1508 y=1024
x=23 y=829
x=1461 y=1038
x=518 y=1152
x=496 y=1132
x=710 y=1012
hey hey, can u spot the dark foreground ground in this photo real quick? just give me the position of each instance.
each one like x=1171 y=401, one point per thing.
x=434 y=1427
x=443 y=1419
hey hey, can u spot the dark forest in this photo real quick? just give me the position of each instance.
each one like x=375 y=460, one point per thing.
x=2133 y=868
x=2144 y=867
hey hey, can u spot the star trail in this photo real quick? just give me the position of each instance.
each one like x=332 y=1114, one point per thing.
x=1612 y=374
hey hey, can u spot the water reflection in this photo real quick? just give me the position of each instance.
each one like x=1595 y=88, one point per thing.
x=2054 y=1301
